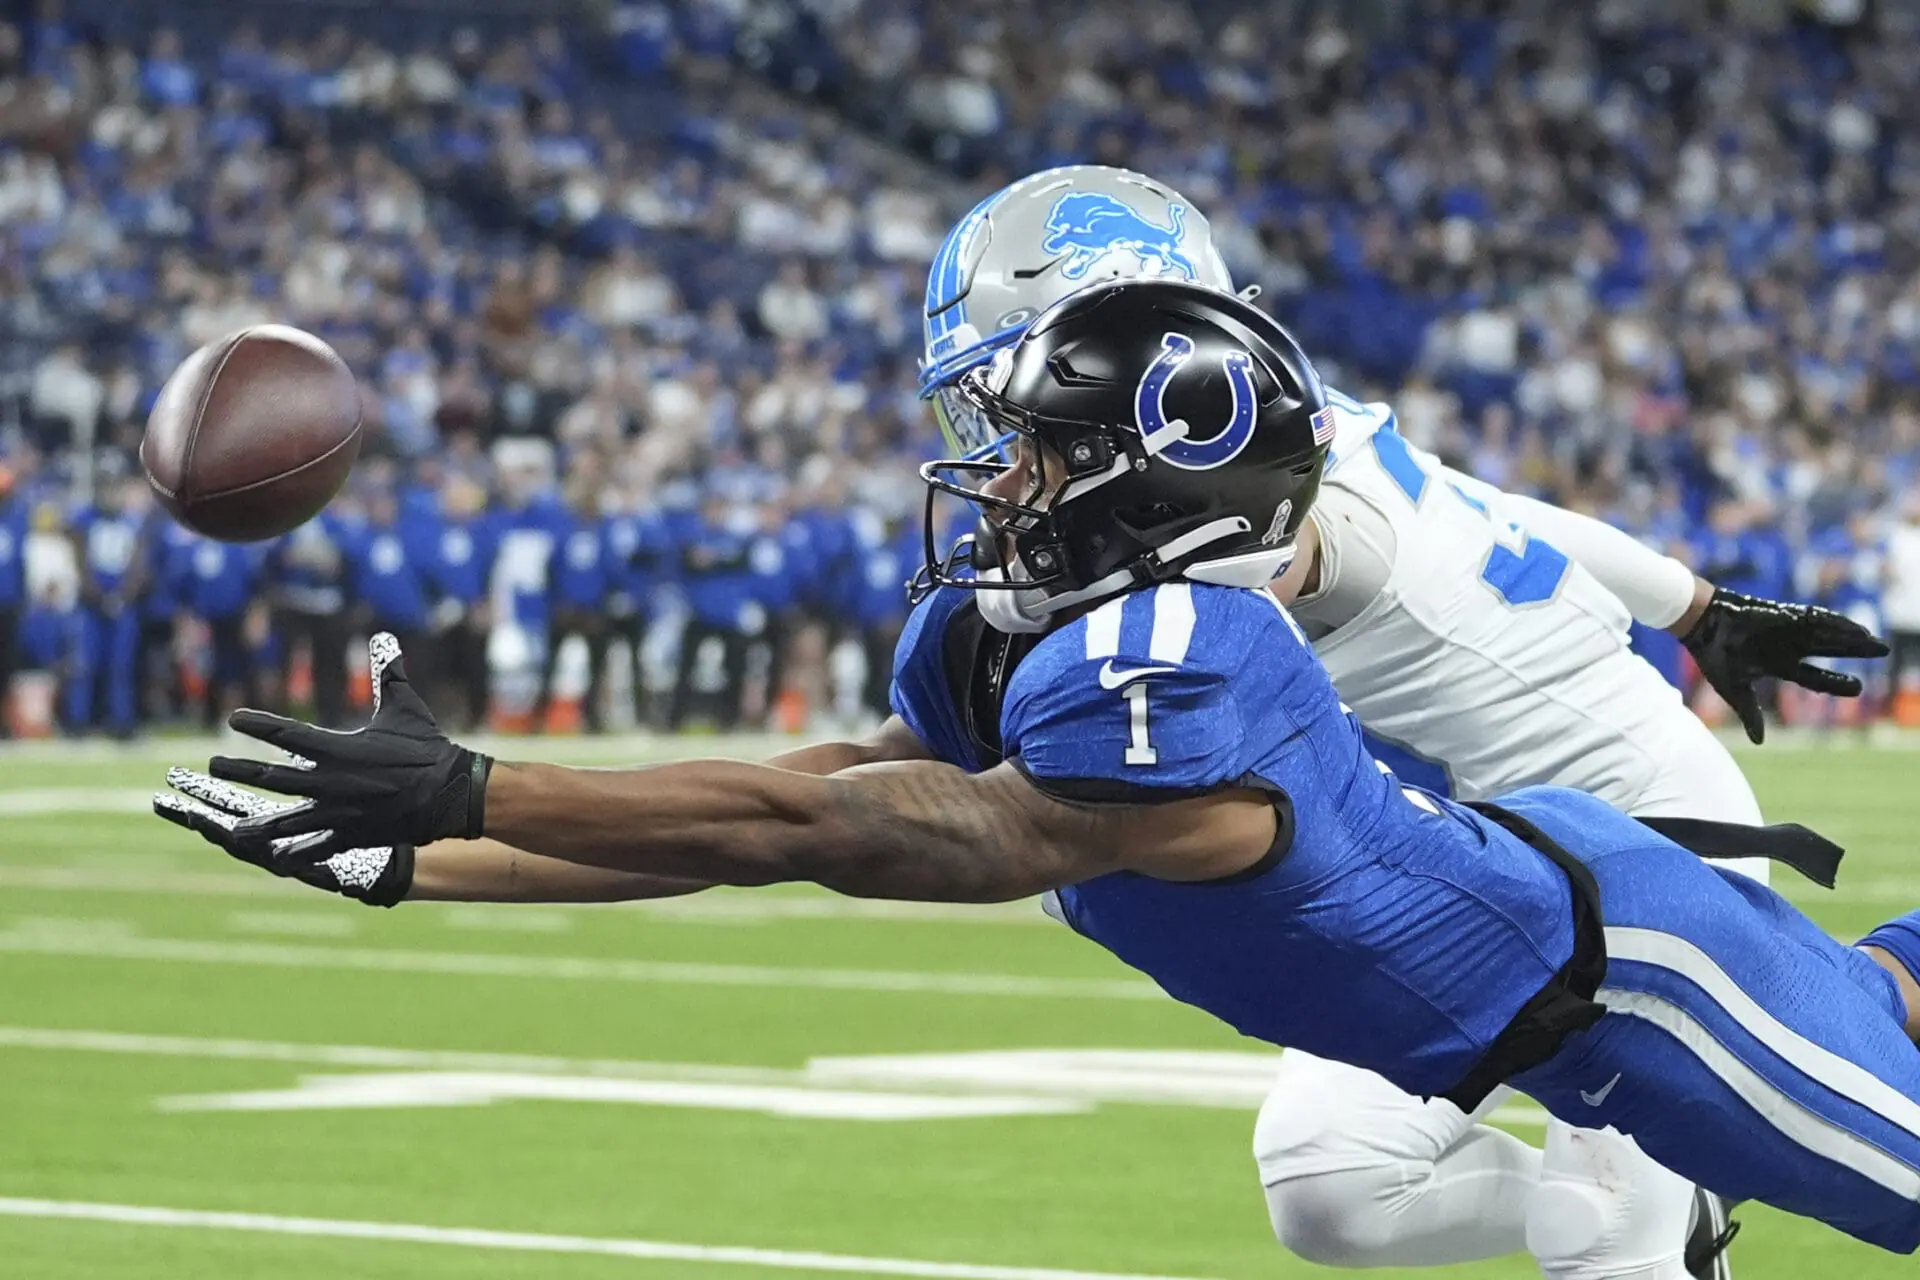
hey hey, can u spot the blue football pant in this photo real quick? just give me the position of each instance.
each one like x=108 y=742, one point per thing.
x=1742 y=1048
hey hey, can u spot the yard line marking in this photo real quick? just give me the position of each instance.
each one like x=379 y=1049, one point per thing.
x=69 y=941
x=33 y=802
x=365 y=1055
x=798 y=1100
x=744 y=907
x=527 y=1242
x=303 y=924
x=1230 y=1080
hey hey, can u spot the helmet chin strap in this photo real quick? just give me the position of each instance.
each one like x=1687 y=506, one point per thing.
x=1014 y=613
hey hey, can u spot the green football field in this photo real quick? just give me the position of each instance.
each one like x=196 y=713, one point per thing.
x=206 y=1073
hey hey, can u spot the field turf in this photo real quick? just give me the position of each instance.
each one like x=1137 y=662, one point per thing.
x=206 y=1073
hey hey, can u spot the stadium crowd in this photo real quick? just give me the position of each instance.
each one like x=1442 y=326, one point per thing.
x=634 y=299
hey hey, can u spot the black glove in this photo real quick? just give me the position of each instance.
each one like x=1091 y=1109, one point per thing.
x=1741 y=638
x=379 y=877
x=397 y=780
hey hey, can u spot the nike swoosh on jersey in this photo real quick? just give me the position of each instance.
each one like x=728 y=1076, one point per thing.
x=1595 y=1099
x=1112 y=679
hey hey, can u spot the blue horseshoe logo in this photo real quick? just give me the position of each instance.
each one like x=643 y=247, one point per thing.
x=1185 y=452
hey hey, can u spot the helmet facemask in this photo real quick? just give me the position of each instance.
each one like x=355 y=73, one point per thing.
x=1020 y=554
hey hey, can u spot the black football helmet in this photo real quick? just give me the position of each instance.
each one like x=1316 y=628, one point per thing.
x=1193 y=432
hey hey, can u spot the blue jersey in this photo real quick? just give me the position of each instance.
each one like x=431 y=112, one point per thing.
x=309 y=565
x=112 y=549
x=717 y=573
x=1366 y=936
x=636 y=544
x=216 y=581
x=457 y=556
x=524 y=547
x=580 y=564
x=388 y=580
x=13 y=554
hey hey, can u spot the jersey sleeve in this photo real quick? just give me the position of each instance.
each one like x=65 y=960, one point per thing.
x=919 y=693
x=1656 y=589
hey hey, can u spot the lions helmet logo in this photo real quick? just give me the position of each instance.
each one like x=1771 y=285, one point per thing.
x=1090 y=226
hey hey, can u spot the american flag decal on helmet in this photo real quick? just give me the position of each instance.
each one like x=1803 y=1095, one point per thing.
x=1323 y=425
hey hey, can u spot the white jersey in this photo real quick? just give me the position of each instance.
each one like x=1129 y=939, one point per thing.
x=1487 y=658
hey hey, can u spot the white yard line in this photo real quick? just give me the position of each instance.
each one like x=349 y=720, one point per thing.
x=32 y=802
x=749 y=907
x=372 y=1056
x=77 y=940
x=525 y=1242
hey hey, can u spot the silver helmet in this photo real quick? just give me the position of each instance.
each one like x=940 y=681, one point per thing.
x=1029 y=245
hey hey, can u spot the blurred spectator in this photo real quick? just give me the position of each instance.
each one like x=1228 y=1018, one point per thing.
x=1659 y=261
x=389 y=580
x=716 y=573
x=309 y=599
x=458 y=555
x=218 y=586
x=13 y=587
x=581 y=586
x=115 y=571
x=1900 y=604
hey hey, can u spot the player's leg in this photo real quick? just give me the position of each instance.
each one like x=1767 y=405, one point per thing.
x=1360 y=1174
x=1604 y=1209
x=1743 y=1048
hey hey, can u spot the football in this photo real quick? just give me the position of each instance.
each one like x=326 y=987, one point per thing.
x=253 y=435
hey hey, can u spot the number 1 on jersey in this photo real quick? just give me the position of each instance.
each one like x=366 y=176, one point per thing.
x=1139 y=749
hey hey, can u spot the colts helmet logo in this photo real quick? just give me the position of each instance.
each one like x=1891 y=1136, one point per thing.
x=1174 y=440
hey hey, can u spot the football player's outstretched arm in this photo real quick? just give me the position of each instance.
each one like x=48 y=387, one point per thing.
x=923 y=830
x=491 y=870
x=914 y=829
x=1735 y=639
x=387 y=871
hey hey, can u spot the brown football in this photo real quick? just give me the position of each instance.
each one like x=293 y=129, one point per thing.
x=253 y=434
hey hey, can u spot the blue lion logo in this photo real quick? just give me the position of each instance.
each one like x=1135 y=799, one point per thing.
x=1088 y=226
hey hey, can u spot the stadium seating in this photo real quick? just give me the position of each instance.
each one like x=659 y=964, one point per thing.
x=1658 y=267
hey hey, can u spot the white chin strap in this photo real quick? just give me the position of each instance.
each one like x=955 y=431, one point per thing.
x=1014 y=613
x=1029 y=612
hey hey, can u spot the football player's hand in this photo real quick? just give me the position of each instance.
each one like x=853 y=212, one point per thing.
x=1740 y=639
x=398 y=780
x=379 y=877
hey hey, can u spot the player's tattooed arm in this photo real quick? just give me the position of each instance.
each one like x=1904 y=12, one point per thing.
x=489 y=871
x=919 y=830
x=892 y=741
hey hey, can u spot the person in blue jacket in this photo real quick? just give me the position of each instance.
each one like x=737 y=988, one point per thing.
x=115 y=570
x=638 y=548
x=389 y=582
x=582 y=581
x=716 y=574
x=307 y=571
x=455 y=543
x=163 y=692
x=13 y=587
x=218 y=587
x=889 y=554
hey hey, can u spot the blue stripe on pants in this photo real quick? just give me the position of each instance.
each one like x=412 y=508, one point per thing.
x=1743 y=1049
